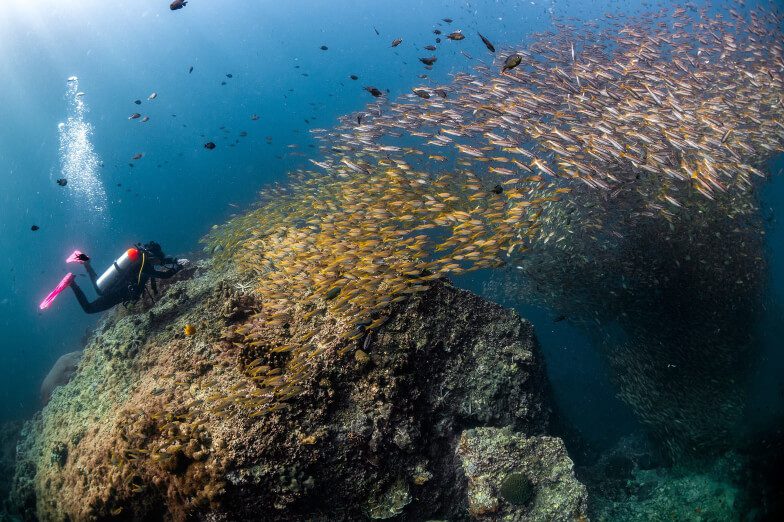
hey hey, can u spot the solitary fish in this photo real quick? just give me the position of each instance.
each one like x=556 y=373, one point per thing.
x=138 y=102
x=354 y=77
x=62 y=182
x=430 y=47
x=447 y=20
x=145 y=119
x=134 y=116
x=209 y=145
x=422 y=94
x=190 y=70
x=428 y=61
x=396 y=42
x=152 y=96
x=487 y=43
x=254 y=117
x=372 y=90
x=457 y=35
x=177 y=4
x=323 y=47
x=34 y=228
x=137 y=156
x=511 y=62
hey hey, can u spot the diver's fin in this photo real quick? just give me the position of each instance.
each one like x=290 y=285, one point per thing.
x=77 y=257
x=62 y=285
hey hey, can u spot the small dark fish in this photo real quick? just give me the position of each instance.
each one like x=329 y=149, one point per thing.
x=354 y=77
x=372 y=90
x=396 y=42
x=177 y=4
x=254 y=117
x=430 y=47
x=498 y=189
x=422 y=94
x=137 y=156
x=511 y=62
x=440 y=92
x=438 y=40
x=428 y=61
x=436 y=31
x=457 y=35
x=62 y=182
x=223 y=83
x=487 y=43
x=190 y=70
x=323 y=47
x=376 y=30
x=134 y=116
x=447 y=20
x=34 y=228
x=138 y=102
x=209 y=145
x=229 y=75
x=559 y=318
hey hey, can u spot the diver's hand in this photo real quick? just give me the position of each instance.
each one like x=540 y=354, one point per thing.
x=84 y=258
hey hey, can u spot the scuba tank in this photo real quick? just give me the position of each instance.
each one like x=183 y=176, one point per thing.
x=119 y=269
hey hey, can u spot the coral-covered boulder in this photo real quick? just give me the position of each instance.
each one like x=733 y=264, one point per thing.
x=514 y=477
x=163 y=421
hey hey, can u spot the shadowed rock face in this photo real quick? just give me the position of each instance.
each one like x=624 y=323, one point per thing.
x=145 y=429
x=60 y=374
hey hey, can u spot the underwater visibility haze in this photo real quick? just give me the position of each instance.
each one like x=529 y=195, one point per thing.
x=459 y=260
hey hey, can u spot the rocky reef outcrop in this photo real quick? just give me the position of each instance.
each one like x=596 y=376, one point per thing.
x=9 y=436
x=162 y=419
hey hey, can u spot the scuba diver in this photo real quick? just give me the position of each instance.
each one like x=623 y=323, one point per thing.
x=124 y=281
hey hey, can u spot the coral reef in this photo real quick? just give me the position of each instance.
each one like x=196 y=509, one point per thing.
x=512 y=477
x=630 y=483
x=160 y=424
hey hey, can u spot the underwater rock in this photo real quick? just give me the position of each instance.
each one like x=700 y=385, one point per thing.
x=9 y=436
x=628 y=482
x=60 y=374
x=156 y=424
x=514 y=477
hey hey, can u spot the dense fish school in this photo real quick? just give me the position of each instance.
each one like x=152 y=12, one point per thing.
x=670 y=110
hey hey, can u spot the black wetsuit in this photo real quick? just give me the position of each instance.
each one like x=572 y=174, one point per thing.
x=128 y=289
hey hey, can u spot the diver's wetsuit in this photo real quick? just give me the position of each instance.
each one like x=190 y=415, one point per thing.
x=126 y=290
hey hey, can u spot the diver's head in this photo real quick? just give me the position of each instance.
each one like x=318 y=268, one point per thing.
x=154 y=251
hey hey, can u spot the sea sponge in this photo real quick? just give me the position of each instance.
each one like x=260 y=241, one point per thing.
x=60 y=374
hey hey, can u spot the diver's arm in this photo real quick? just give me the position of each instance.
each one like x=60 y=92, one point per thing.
x=162 y=274
x=93 y=276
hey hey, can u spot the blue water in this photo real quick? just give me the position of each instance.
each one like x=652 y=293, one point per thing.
x=125 y=50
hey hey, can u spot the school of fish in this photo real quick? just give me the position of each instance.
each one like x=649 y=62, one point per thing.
x=670 y=110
